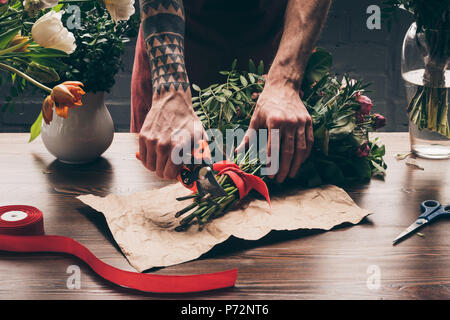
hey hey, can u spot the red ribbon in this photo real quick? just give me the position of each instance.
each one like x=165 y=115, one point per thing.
x=245 y=182
x=27 y=235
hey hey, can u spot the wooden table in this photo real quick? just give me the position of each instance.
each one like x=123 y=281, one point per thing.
x=339 y=264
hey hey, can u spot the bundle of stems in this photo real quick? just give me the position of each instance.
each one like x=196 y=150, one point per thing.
x=204 y=208
x=428 y=109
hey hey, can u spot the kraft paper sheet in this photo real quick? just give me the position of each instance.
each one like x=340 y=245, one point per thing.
x=143 y=223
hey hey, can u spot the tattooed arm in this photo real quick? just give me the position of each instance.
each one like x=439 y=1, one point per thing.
x=163 y=25
x=279 y=105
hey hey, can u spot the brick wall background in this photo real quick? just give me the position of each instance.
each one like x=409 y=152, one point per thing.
x=373 y=55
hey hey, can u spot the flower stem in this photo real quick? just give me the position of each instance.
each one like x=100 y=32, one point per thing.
x=25 y=76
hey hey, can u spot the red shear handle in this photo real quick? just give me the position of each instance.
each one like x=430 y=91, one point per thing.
x=200 y=154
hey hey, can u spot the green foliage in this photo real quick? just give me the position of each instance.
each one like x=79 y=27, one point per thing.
x=100 y=45
x=338 y=133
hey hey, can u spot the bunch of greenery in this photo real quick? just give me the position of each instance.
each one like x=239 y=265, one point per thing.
x=100 y=45
x=342 y=153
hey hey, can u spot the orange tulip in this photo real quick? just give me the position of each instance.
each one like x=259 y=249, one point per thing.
x=47 y=109
x=18 y=39
x=63 y=96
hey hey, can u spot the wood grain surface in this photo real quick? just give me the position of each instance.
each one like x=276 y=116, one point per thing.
x=339 y=264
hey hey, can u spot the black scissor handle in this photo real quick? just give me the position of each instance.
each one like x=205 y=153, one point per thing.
x=432 y=209
x=427 y=207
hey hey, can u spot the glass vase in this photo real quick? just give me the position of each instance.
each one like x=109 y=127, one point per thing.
x=425 y=58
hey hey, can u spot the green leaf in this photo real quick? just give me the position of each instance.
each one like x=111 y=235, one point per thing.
x=7 y=36
x=35 y=130
x=227 y=92
x=231 y=106
x=233 y=65
x=319 y=65
x=261 y=68
x=379 y=170
x=221 y=99
x=251 y=66
x=243 y=81
x=58 y=7
x=42 y=73
x=251 y=77
x=196 y=87
x=40 y=52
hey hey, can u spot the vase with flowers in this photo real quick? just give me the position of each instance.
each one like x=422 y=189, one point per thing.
x=425 y=57
x=100 y=39
x=38 y=49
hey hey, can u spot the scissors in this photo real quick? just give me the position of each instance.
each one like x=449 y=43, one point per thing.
x=431 y=210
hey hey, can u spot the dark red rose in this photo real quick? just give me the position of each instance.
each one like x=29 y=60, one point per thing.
x=379 y=121
x=364 y=150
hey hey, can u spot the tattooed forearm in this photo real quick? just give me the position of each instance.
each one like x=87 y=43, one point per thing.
x=163 y=27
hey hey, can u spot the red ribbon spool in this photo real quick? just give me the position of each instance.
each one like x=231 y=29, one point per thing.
x=22 y=230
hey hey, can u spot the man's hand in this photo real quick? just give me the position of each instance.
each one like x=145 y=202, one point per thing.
x=281 y=108
x=170 y=112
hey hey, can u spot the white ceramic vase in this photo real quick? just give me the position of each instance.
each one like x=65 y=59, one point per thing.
x=84 y=135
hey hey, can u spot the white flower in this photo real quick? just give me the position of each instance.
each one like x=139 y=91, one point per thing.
x=36 y=5
x=120 y=9
x=49 y=32
x=344 y=83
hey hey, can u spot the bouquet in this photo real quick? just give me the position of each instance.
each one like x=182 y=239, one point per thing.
x=429 y=107
x=342 y=153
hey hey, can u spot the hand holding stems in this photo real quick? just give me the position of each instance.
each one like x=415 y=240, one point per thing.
x=280 y=107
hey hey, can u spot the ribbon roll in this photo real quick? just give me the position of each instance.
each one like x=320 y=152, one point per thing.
x=22 y=230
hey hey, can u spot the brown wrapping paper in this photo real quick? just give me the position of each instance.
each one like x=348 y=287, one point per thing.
x=142 y=223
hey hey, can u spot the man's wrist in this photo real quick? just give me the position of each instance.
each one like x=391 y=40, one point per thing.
x=283 y=82
x=284 y=76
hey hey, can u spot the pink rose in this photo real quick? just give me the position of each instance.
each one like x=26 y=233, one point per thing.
x=364 y=150
x=379 y=121
x=365 y=103
x=3 y=1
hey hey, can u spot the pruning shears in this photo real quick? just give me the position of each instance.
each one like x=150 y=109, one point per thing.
x=198 y=175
